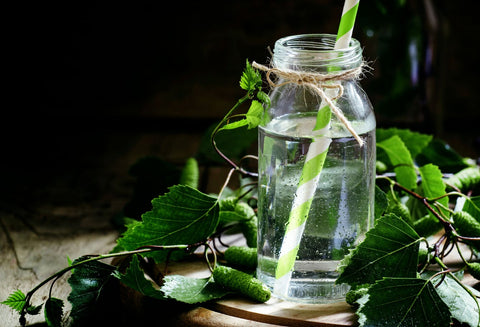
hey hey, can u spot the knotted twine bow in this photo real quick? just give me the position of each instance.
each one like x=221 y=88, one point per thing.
x=317 y=82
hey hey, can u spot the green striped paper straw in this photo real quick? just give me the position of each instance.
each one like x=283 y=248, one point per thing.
x=311 y=171
x=347 y=22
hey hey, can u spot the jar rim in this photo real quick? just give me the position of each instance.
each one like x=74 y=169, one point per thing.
x=315 y=50
x=318 y=42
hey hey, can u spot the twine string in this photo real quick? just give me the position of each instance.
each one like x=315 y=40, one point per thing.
x=316 y=82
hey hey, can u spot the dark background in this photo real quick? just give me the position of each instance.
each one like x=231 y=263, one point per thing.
x=96 y=86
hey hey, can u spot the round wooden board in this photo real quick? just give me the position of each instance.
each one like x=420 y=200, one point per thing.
x=283 y=313
x=244 y=312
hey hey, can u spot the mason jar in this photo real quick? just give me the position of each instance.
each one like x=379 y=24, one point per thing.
x=316 y=183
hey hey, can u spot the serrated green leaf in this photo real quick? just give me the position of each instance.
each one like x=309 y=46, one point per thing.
x=53 y=312
x=390 y=249
x=442 y=155
x=252 y=118
x=433 y=185
x=182 y=216
x=234 y=125
x=134 y=277
x=15 y=300
x=251 y=78
x=87 y=282
x=402 y=161
x=192 y=290
x=415 y=142
x=463 y=306
x=254 y=114
x=403 y=302
x=432 y=182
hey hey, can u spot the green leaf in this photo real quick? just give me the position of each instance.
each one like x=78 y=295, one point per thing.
x=463 y=306
x=134 y=278
x=182 y=216
x=442 y=155
x=401 y=160
x=403 y=302
x=254 y=114
x=470 y=205
x=251 y=78
x=16 y=301
x=192 y=290
x=433 y=185
x=252 y=118
x=234 y=125
x=390 y=249
x=415 y=142
x=53 y=312
x=87 y=282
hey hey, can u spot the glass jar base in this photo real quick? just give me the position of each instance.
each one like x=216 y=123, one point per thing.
x=308 y=290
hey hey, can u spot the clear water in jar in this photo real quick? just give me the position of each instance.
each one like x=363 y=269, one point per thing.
x=341 y=211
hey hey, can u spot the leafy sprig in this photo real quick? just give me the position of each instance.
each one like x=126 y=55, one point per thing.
x=251 y=82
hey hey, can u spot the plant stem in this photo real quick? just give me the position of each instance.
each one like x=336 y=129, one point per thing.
x=227 y=116
x=227 y=180
x=460 y=253
x=446 y=224
x=216 y=130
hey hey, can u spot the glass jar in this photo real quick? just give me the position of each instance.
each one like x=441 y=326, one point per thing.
x=307 y=223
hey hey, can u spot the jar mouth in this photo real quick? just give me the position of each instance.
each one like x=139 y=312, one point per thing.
x=315 y=51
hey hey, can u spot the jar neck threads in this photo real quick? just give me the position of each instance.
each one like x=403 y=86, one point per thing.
x=315 y=53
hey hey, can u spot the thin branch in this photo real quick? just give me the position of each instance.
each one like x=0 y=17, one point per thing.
x=217 y=129
x=205 y=253
x=436 y=246
x=460 y=253
x=227 y=180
